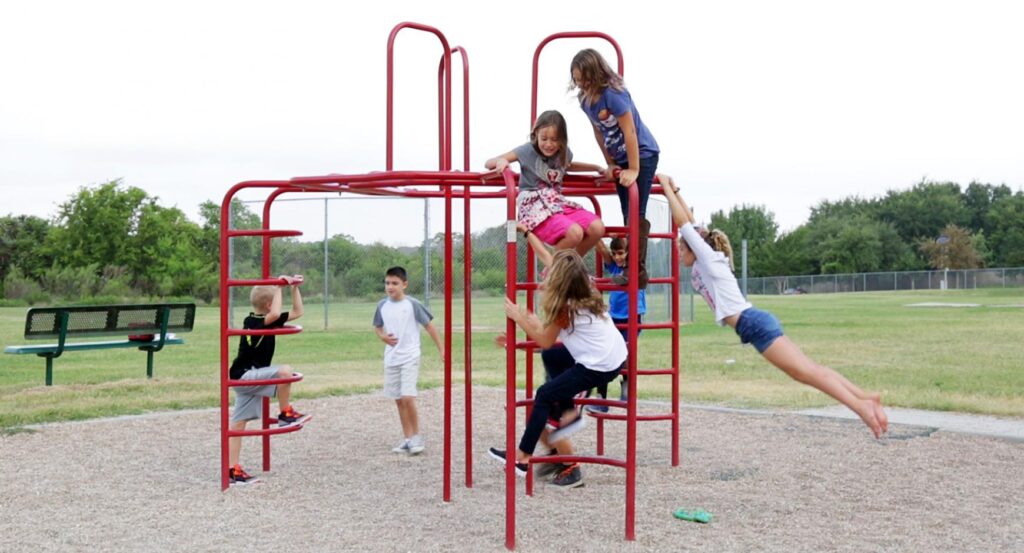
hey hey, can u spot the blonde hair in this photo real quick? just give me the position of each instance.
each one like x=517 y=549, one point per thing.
x=596 y=72
x=719 y=241
x=568 y=289
x=262 y=296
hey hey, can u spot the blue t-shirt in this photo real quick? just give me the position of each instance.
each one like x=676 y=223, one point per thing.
x=603 y=114
x=618 y=302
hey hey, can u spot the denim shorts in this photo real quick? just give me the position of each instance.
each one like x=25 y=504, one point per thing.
x=759 y=328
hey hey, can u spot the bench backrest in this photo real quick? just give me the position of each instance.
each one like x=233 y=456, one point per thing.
x=107 y=320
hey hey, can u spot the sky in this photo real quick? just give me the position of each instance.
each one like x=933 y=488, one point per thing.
x=780 y=104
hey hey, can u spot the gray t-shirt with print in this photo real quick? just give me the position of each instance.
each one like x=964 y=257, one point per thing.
x=534 y=168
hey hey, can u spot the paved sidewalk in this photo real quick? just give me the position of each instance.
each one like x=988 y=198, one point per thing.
x=978 y=425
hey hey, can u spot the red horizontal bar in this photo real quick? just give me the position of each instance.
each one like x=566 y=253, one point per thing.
x=589 y=459
x=289 y=329
x=263 y=232
x=266 y=381
x=255 y=282
x=266 y=431
x=623 y=416
x=655 y=371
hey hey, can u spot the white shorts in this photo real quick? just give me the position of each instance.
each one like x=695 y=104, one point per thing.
x=400 y=380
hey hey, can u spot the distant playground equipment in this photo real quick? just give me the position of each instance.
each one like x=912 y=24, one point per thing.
x=468 y=186
x=146 y=327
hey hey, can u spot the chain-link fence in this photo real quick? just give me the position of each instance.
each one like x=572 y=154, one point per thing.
x=337 y=269
x=951 y=279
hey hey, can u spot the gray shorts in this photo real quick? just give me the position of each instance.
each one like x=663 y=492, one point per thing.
x=249 y=399
x=400 y=380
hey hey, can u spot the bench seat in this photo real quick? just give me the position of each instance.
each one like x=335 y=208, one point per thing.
x=82 y=346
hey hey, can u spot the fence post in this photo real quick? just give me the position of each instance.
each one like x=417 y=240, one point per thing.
x=744 y=242
x=325 y=264
x=426 y=252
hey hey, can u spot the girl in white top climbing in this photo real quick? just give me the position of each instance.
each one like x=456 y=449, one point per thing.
x=709 y=255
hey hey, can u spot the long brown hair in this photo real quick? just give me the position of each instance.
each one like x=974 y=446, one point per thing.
x=596 y=72
x=552 y=118
x=568 y=289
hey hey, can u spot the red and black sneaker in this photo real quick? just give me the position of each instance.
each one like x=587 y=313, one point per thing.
x=290 y=416
x=237 y=476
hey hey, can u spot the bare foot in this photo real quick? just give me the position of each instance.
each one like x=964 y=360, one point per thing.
x=876 y=402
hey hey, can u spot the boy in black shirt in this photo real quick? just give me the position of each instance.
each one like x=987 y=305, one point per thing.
x=253 y=363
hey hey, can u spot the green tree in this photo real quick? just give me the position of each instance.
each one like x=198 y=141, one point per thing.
x=980 y=198
x=756 y=225
x=953 y=249
x=95 y=225
x=21 y=245
x=924 y=210
x=1005 y=221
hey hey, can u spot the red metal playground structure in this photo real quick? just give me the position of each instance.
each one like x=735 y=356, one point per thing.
x=467 y=186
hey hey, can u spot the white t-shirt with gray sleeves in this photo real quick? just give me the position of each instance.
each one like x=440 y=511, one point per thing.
x=402 y=319
x=594 y=342
x=712 y=277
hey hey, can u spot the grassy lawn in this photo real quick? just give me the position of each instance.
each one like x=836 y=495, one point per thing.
x=945 y=358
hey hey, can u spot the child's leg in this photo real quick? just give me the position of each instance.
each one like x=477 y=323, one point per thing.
x=573 y=237
x=561 y=388
x=409 y=415
x=595 y=231
x=284 y=391
x=235 y=443
x=784 y=354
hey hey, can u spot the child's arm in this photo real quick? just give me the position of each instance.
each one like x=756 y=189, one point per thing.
x=388 y=339
x=537 y=244
x=296 y=311
x=436 y=337
x=274 y=313
x=604 y=252
x=580 y=167
x=611 y=165
x=681 y=213
x=501 y=162
x=628 y=176
x=544 y=336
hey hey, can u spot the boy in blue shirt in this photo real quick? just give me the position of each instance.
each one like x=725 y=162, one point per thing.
x=615 y=259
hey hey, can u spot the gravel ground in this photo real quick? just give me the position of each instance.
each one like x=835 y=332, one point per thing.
x=776 y=482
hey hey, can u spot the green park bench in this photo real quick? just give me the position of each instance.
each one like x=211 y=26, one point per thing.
x=147 y=327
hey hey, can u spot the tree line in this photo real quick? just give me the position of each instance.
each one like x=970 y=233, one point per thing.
x=114 y=242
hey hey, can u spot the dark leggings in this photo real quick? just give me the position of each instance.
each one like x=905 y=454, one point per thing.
x=566 y=379
x=602 y=390
x=644 y=181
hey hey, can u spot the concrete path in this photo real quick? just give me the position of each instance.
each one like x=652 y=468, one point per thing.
x=978 y=425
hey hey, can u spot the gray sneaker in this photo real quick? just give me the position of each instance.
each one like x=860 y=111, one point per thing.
x=402 y=447
x=570 y=477
x=416 y=445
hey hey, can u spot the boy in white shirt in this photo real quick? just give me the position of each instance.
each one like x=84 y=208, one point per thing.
x=396 y=322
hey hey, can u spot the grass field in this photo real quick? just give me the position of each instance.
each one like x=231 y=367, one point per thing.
x=943 y=358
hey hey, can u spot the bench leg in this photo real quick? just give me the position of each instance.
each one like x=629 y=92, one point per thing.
x=49 y=371
x=149 y=364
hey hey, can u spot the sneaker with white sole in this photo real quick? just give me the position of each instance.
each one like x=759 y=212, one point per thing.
x=238 y=477
x=499 y=454
x=416 y=445
x=568 y=429
x=570 y=477
x=402 y=447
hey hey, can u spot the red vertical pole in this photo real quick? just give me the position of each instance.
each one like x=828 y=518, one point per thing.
x=511 y=273
x=676 y=288
x=225 y=216
x=634 y=275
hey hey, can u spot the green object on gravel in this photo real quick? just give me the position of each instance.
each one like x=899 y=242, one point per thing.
x=700 y=515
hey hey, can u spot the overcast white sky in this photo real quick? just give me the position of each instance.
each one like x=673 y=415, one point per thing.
x=782 y=103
